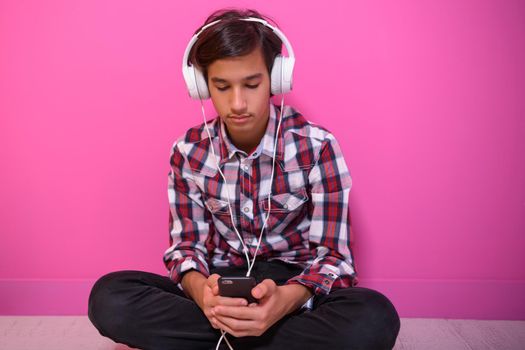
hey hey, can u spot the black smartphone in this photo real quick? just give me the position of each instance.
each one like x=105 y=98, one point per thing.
x=237 y=287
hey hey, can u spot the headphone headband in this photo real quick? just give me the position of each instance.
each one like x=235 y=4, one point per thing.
x=281 y=75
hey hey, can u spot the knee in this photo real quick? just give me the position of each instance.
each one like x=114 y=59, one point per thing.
x=105 y=307
x=377 y=322
x=383 y=317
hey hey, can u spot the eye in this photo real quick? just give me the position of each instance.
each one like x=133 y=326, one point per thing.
x=222 y=88
x=252 y=86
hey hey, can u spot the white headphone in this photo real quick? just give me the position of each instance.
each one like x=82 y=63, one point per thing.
x=281 y=75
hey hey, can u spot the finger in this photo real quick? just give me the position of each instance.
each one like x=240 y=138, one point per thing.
x=213 y=322
x=239 y=313
x=227 y=301
x=238 y=327
x=215 y=290
x=212 y=280
x=228 y=330
x=264 y=289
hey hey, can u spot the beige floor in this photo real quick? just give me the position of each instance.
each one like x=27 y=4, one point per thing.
x=76 y=332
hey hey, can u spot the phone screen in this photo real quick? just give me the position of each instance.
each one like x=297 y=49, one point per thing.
x=237 y=287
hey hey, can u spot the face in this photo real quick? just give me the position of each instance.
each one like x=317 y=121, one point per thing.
x=240 y=91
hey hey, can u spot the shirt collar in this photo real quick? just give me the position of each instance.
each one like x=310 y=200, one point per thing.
x=266 y=145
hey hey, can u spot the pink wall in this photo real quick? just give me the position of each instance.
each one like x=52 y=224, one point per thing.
x=426 y=99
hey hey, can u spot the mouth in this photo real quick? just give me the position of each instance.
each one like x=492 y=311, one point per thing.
x=239 y=118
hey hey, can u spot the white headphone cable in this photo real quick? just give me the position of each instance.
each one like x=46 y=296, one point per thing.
x=271 y=176
x=245 y=249
x=271 y=183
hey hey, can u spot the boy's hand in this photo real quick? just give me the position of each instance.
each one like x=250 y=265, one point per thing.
x=274 y=303
x=205 y=292
x=211 y=298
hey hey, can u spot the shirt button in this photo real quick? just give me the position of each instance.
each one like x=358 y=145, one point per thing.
x=285 y=206
x=246 y=209
x=246 y=167
x=326 y=282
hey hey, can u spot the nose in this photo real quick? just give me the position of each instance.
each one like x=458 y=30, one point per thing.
x=238 y=101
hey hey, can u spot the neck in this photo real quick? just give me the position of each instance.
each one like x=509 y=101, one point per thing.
x=248 y=141
x=247 y=144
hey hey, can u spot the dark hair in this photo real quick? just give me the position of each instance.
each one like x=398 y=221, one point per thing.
x=232 y=37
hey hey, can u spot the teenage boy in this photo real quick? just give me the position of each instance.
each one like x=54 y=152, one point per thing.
x=257 y=182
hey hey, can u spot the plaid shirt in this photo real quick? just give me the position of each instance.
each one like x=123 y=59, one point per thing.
x=309 y=223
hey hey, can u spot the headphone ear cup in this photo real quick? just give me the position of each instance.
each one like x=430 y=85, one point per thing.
x=195 y=83
x=282 y=84
x=276 y=75
x=201 y=85
x=189 y=79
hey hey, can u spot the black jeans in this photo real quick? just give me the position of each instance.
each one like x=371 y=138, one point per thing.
x=148 y=311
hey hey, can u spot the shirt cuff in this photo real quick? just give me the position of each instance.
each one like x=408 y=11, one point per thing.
x=319 y=284
x=184 y=265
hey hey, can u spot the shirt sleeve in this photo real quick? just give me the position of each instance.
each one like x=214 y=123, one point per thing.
x=188 y=225
x=330 y=227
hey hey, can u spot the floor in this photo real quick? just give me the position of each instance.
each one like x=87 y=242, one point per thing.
x=76 y=332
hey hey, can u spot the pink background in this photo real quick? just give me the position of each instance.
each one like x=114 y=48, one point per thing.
x=425 y=97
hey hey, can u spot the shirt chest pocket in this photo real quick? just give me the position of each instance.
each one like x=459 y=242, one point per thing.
x=285 y=209
x=285 y=202
x=221 y=217
x=217 y=207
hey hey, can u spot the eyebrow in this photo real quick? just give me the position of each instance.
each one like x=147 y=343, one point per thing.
x=223 y=81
